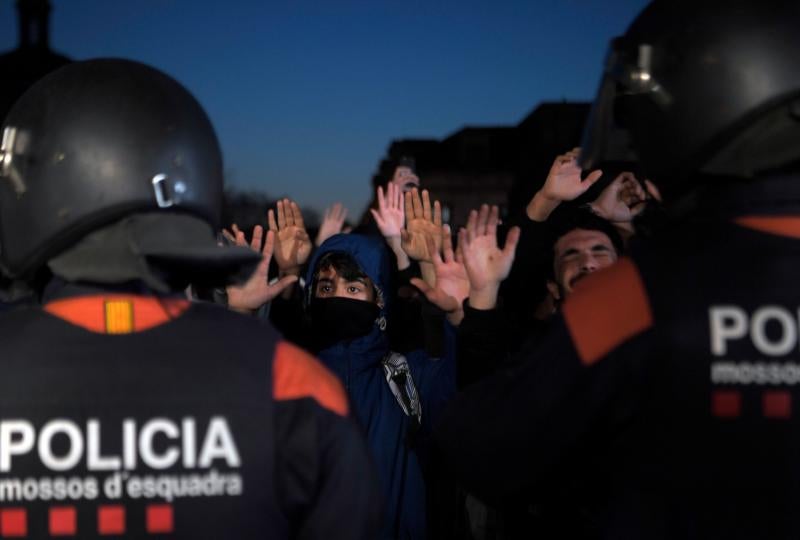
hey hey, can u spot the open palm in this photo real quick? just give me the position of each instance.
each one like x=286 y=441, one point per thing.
x=486 y=264
x=564 y=181
x=390 y=215
x=422 y=224
x=332 y=223
x=452 y=283
x=257 y=290
x=292 y=244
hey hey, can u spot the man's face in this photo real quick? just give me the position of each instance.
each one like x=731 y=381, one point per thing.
x=331 y=285
x=576 y=255
x=405 y=179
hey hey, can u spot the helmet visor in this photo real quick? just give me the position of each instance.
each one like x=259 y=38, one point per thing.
x=627 y=76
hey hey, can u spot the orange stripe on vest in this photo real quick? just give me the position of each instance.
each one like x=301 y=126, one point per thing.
x=606 y=309
x=297 y=374
x=117 y=314
x=779 y=225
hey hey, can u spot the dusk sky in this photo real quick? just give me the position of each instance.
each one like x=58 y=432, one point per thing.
x=307 y=95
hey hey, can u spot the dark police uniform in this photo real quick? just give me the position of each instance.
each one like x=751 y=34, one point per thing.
x=125 y=410
x=138 y=416
x=664 y=403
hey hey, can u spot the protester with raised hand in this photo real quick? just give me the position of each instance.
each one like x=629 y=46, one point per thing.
x=291 y=248
x=288 y=242
x=412 y=327
x=486 y=264
x=484 y=333
x=452 y=284
x=574 y=244
x=621 y=200
x=257 y=291
x=563 y=183
x=390 y=219
x=564 y=188
x=332 y=223
x=423 y=223
x=401 y=174
x=624 y=200
x=292 y=244
x=395 y=395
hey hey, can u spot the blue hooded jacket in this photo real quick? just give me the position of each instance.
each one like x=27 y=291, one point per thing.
x=359 y=365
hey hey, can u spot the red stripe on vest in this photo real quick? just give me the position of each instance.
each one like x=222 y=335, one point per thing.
x=297 y=374
x=93 y=313
x=778 y=225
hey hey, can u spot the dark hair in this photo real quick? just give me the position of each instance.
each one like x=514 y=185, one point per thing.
x=405 y=161
x=346 y=267
x=567 y=219
x=344 y=264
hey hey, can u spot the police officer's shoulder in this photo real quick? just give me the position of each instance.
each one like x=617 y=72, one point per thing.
x=298 y=375
x=606 y=309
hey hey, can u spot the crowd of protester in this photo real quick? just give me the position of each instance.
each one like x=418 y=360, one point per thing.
x=405 y=310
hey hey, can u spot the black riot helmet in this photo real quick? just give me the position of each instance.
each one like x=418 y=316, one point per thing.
x=96 y=141
x=708 y=88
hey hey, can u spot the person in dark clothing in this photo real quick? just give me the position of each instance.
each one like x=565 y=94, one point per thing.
x=618 y=201
x=126 y=410
x=573 y=244
x=664 y=395
x=394 y=397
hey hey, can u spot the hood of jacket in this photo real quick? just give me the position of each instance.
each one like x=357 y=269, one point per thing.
x=370 y=253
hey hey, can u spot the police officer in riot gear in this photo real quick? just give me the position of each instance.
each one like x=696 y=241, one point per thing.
x=664 y=403
x=125 y=410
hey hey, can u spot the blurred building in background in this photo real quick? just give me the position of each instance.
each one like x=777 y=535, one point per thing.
x=502 y=165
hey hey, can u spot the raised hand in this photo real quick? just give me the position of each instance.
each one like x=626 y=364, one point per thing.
x=332 y=223
x=421 y=224
x=616 y=202
x=563 y=183
x=292 y=244
x=452 y=284
x=230 y=236
x=486 y=264
x=257 y=290
x=390 y=215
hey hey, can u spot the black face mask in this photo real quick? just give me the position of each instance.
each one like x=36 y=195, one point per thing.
x=341 y=319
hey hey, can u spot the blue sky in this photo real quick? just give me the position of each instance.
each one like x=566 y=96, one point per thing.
x=307 y=95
